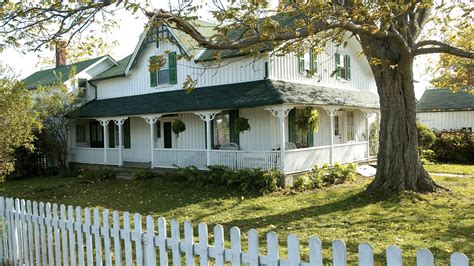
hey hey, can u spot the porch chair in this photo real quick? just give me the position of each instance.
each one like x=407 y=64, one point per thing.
x=290 y=146
x=230 y=147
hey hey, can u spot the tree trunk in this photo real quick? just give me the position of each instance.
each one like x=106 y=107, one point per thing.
x=398 y=164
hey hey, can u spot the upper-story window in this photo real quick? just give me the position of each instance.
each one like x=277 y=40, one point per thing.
x=307 y=62
x=343 y=66
x=167 y=74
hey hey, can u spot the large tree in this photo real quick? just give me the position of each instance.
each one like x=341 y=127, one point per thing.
x=390 y=34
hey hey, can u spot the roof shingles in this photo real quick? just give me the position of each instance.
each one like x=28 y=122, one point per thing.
x=434 y=100
x=230 y=96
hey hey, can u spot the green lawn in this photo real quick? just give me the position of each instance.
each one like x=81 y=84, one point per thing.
x=442 y=222
x=459 y=169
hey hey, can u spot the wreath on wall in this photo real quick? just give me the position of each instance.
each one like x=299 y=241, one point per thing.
x=178 y=126
x=307 y=120
x=241 y=124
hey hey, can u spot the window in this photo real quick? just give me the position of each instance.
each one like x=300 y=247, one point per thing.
x=307 y=62
x=221 y=129
x=81 y=134
x=343 y=66
x=167 y=73
x=350 y=126
x=336 y=125
x=96 y=132
x=158 y=129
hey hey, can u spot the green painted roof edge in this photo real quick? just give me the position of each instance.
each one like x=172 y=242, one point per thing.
x=48 y=77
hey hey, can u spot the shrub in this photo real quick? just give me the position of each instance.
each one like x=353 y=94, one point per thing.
x=244 y=180
x=326 y=176
x=454 y=147
x=98 y=175
x=426 y=137
x=144 y=174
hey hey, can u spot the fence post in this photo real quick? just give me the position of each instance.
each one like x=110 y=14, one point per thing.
x=162 y=241
x=366 y=255
x=137 y=219
x=236 y=246
x=116 y=236
x=148 y=242
x=189 y=243
x=459 y=259
x=424 y=257
x=106 y=235
x=176 y=255
x=339 y=253
x=394 y=256
x=203 y=244
x=315 y=251
x=253 y=247
x=219 y=245
x=293 y=250
x=273 y=248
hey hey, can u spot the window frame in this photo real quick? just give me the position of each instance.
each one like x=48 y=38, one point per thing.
x=215 y=129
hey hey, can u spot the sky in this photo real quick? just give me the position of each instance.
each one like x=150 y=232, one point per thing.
x=127 y=34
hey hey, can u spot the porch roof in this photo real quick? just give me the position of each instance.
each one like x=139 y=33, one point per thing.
x=230 y=96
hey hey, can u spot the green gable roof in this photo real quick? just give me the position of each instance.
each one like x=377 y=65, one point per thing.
x=230 y=96
x=434 y=100
x=115 y=71
x=284 y=20
x=51 y=76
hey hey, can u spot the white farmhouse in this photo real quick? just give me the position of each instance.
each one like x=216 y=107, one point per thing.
x=442 y=109
x=130 y=119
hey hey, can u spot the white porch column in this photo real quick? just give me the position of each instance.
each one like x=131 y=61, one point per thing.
x=331 y=111
x=151 y=120
x=119 y=121
x=367 y=114
x=104 y=123
x=281 y=112
x=208 y=117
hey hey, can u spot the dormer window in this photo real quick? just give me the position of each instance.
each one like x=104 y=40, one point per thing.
x=343 y=66
x=307 y=62
x=167 y=73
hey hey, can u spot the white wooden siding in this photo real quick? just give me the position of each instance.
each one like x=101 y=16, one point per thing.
x=447 y=120
x=286 y=68
x=234 y=70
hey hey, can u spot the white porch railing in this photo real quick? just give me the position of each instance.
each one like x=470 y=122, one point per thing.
x=300 y=160
x=35 y=233
x=94 y=155
x=170 y=158
x=350 y=152
x=265 y=160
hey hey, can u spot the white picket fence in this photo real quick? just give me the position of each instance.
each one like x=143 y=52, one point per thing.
x=40 y=234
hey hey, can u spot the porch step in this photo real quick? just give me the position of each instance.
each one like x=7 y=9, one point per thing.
x=126 y=175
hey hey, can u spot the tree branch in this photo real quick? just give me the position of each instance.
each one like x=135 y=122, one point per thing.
x=440 y=47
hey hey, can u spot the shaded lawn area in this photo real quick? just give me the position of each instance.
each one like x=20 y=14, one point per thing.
x=442 y=222
x=460 y=169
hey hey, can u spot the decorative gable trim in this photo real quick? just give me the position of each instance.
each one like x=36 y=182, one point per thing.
x=142 y=44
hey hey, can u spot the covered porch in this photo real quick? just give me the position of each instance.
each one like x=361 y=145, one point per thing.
x=271 y=143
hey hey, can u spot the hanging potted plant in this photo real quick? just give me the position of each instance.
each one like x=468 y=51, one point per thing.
x=178 y=126
x=307 y=120
x=241 y=124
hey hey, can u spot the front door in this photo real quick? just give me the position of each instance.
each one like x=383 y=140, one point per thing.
x=337 y=129
x=167 y=135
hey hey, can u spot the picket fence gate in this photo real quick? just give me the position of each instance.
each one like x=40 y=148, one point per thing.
x=40 y=234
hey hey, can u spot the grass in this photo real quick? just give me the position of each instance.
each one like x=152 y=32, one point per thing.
x=442 y=222
x=459 y=169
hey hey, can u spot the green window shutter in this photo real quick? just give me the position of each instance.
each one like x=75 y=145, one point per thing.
x=126 y=134
x=338 y=62
x=292 y=126
x=212 y=134
x=153 y=74
x=173 y=68
x=234 y=136
x=347 y=64
x=314 y=61
x=301 y=64
x=111 y=134
x=310 y=139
